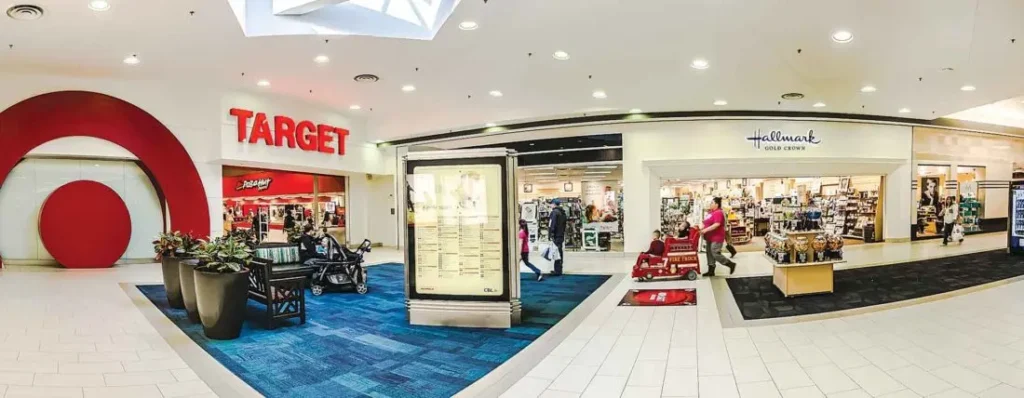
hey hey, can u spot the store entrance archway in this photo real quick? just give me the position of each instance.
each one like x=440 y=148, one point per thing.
x=893 y=189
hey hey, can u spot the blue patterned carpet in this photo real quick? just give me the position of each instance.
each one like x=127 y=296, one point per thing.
x=363 y=346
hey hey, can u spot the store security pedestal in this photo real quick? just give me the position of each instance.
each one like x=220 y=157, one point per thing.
x=461 y=265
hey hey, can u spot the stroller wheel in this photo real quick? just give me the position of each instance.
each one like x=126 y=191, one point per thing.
x=362 y=288
x=317 y=289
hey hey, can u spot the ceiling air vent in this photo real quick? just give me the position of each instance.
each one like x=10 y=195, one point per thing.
x=792 y=96
x=25 y=12
x=366 y=78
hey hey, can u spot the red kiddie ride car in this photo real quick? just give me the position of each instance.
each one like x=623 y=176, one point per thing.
x=679 y=259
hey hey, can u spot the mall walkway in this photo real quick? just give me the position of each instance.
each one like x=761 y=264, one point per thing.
x=85 y=334
x=971 y=345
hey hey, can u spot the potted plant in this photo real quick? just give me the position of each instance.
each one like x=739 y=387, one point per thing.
x=166 y=246
x=222 y=287
x=187 y=262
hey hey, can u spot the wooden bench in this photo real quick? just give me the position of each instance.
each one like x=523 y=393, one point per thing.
x=278 y=281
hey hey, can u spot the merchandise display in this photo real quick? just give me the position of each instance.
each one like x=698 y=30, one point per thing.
x=846 y=207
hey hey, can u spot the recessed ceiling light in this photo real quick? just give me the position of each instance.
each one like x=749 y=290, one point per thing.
x=842 y=36
x=99 y=5
x=868 y=89
x=700 y=63
x=600 y=94
x=491 y=125
x=132 y=60
x=322 y=59
x=355 y=107
x=721 y=102
x=468 y=25
x=968 y=88
x=560 y=55
x=496 y=93
x=263 y=83
x=408 y=88
x=819 y=105
x=635 y=110
x=904 y=110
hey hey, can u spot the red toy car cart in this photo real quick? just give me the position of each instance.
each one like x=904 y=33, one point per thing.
x=679 y=259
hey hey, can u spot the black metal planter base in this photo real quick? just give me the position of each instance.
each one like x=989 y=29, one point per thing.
x=186 y=271
x=221 y=299
x=172 y=281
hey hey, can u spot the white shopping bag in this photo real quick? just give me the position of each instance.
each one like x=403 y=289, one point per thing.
x=550 y=252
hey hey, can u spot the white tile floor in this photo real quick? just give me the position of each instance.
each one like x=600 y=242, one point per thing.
x=77 y=334
x=970 y=345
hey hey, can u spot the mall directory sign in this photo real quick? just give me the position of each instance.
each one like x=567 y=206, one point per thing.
x=460 y=224
x=1016 y=217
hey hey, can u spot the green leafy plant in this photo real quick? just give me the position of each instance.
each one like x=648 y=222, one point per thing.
x=167 y=244
x=189 y=245
x=223 y=255
x=245 y=236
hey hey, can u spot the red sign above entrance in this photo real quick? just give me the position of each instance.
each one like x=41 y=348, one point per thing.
x=306 y=135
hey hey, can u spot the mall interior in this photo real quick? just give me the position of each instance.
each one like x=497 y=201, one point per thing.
x=410 y=198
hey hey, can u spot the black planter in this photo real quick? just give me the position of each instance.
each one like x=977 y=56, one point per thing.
x=188 y=288
x=172 y=281
x=221 y=299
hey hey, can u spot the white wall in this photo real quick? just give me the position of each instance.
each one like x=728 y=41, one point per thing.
x=33 y=180
x=383 y=224
x=720 y=149
x=198 y=117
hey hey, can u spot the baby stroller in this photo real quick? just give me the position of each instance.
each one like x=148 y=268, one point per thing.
x=342 y=268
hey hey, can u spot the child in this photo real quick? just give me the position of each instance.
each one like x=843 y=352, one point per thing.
x=657 y=246
x=524 y=250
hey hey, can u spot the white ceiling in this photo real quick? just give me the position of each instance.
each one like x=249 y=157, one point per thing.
x=1008 y=112
x=637 y=51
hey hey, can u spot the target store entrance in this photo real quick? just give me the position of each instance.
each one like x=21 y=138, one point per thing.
x=274 y=205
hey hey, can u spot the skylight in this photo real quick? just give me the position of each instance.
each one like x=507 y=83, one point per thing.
x=406 y=19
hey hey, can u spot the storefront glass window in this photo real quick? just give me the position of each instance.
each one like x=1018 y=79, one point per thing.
x=755 y=207
x=932 y=198
x=275 y=204
x=590 y=194
x=970 y=198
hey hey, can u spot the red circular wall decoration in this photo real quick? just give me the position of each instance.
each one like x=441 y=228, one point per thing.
x=47 y=117
x=107 y=222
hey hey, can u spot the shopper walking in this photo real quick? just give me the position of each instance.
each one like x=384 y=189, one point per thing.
x=556 y=231
x=713 y=231
x=948 y=221
x=524 y=251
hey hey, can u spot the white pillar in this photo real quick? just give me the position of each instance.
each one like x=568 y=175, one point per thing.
x=899 y=204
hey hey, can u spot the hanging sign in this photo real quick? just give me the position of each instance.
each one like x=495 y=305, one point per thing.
x=305 y=135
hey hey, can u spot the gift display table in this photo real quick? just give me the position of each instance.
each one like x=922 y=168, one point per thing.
x=795 y=278
x=807 y=278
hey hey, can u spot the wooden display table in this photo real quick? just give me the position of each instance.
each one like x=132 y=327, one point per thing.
x=807 y=278
x=795 y=279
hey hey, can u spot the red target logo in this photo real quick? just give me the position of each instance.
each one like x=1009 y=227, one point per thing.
x=101 y=235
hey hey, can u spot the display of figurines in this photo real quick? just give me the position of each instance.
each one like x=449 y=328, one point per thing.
x=801 y=245
x=818 y=246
